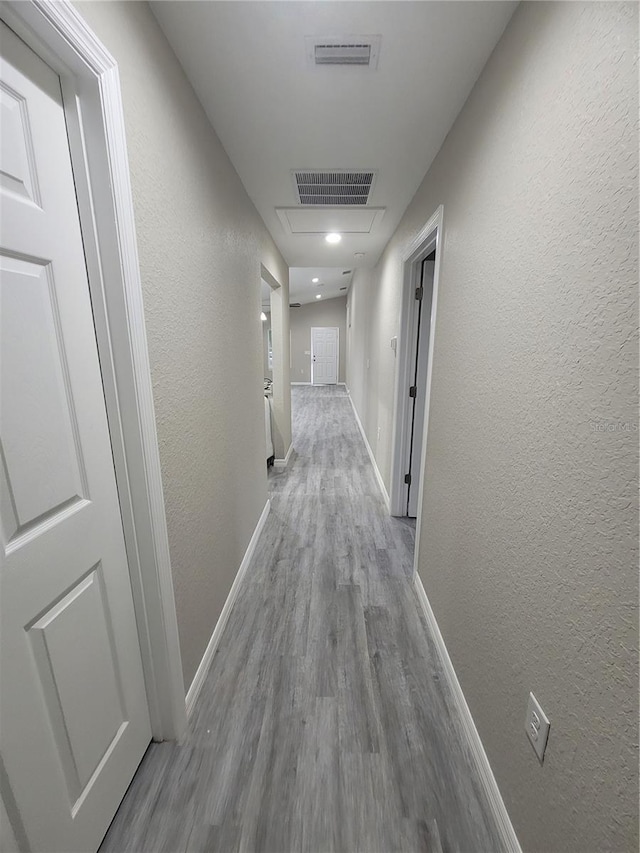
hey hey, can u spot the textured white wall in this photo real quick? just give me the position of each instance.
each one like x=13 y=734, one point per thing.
x=529 y=550
x=328 y=312
x=374 y=312
x=201 y=244
x=358 y=309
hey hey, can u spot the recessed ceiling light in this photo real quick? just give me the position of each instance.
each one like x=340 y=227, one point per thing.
x=333 y=238
x=318 y=296
x=315 y=280
x=263 y=317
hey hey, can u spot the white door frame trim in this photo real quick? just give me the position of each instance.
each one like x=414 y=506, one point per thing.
x=95 y=123
x=428 y=239
x=337 y=328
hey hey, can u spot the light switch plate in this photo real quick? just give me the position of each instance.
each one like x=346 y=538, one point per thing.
x=537 y=727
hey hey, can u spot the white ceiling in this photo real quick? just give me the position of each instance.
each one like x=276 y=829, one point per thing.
x=302 y=289
x=275 y=113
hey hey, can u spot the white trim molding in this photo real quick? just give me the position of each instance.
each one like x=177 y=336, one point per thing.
x=201 y=673
x=311 y=383
x=95 y=122
x=376 y=470
x=476 y=749
x=282 y=463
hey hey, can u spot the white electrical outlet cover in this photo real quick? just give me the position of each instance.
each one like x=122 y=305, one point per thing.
x=537 y=727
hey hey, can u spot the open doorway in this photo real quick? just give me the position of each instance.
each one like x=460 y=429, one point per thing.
x=274 y=331
x=415 y=356
x=417 y=397
x=267 y=333
x=267 y=368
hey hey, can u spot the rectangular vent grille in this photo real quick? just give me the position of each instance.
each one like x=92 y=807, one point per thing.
x=342 y=54
x=356 y=50
x=334 y=188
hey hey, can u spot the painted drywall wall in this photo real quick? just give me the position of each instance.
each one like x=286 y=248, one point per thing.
x=530 y=525
x=326 y=312
x=201 y=245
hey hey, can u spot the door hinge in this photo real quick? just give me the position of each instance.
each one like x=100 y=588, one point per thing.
x=413 y=391
x=419 y=292
x=407 y=479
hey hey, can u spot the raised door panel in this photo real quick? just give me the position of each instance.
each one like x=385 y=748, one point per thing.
x=41 y=455
x=331 y=353
x=80 y=682
x=17 y=161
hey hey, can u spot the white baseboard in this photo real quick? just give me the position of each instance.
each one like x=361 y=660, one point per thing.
x=311 y=383
x=487 y=779
x=376 y=470
x=205 y=663
x=282 y=463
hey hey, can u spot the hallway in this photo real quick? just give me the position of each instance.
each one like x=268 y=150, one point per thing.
x=325 y=722
x=432 y=204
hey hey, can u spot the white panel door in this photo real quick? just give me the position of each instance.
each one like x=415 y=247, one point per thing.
x=73 y=707
x=324 y=355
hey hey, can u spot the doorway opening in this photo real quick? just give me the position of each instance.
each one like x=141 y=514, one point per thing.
x=266 y=292
x=415 y=346
x=419 y=360
x=275 y=362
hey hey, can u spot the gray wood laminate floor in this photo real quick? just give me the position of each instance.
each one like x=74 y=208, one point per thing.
x=325 y=723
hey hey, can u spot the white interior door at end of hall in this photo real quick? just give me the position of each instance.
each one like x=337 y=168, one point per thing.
x=324 y=355
x=75 y=721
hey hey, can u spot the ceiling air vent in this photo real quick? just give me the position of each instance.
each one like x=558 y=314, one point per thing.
x=343 y=54
x=343 y=50
x=333 y=188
